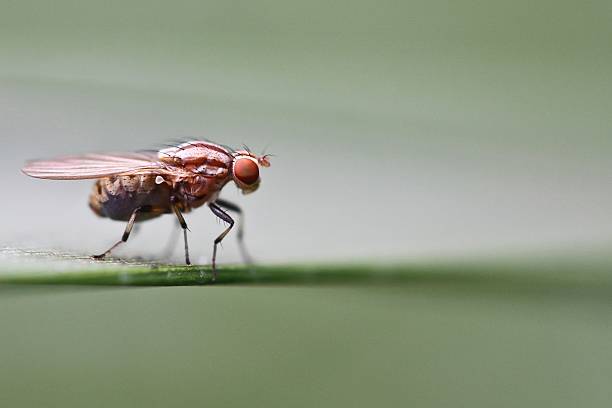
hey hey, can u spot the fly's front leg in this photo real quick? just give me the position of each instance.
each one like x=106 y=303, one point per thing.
x=240 y=233
x=218 y=211
x=181 y=220
x=126 y=233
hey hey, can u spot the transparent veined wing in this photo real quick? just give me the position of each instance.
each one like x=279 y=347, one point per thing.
x=94 y=166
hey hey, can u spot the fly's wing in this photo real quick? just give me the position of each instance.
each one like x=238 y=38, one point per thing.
x=94 y=166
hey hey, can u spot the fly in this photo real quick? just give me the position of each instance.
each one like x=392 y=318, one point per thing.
x=136 y=187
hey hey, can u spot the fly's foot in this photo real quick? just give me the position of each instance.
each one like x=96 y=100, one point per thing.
x=99 y=257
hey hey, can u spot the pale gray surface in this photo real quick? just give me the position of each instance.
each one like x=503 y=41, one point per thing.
x=401 y=129
x=435 y=175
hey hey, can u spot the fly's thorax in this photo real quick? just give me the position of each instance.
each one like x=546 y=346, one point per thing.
x=195 y=154
x=198 y=189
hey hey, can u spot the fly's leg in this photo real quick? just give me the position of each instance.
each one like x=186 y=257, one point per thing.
x=218 y=211
x=181 y=220
x=246 y=258
x=126 y=234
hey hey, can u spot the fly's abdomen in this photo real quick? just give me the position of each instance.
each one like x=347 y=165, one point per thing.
x=117 y=197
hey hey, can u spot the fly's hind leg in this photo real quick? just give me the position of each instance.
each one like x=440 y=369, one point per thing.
x=181 y=220
x=126 y=233
x=246 y=258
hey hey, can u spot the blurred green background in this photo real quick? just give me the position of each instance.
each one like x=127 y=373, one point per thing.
x=404 y=131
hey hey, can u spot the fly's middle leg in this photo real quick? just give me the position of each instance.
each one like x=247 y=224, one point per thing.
x=183 y=223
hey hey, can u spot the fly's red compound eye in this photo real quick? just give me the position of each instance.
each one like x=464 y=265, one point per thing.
x=247 y=171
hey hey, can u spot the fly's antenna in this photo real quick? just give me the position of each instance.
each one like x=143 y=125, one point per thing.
x=264 y=152
x=264 y=161
x=265 y=149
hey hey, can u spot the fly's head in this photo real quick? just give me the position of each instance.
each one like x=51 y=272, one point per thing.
x=245 y=170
